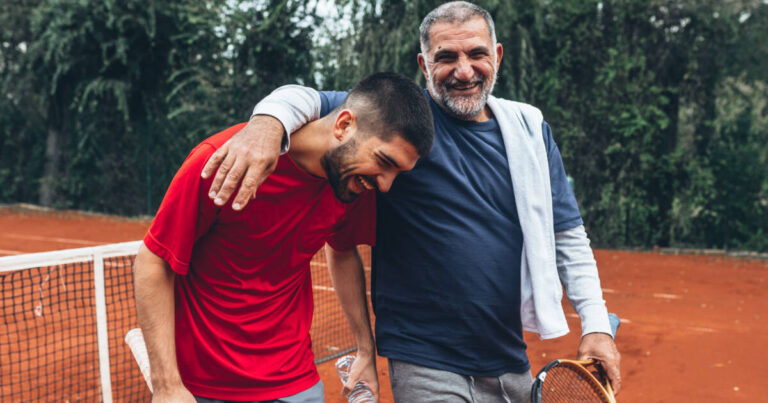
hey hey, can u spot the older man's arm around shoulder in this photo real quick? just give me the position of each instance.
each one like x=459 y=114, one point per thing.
x=578 y=272
x=154 y=284
x=348 y=278
x=251 y=154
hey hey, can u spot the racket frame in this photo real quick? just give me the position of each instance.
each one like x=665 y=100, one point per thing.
x=605 y=389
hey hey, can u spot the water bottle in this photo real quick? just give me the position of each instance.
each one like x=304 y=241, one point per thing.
x=360 y=393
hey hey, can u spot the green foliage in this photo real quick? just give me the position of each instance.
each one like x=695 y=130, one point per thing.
x=607 y=98
x=109 y=97
x=271 y=47
x=658 y=106
x=725 y=205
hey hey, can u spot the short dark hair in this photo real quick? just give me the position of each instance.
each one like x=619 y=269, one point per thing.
x=388 y=104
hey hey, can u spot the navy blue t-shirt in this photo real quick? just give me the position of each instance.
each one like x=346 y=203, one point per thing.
x=446 y=266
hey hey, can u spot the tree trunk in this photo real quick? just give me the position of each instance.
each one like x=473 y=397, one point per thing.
x=51 y=172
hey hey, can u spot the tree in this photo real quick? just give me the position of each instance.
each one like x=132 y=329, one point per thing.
x=20 y=113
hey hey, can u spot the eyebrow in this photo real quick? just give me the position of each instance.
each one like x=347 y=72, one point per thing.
x=448 y=52
x=387 y=158
x=480 y=49
x=443 y=52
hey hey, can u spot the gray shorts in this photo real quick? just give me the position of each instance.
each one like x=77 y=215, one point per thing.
x=417 y=384
x=315 y=394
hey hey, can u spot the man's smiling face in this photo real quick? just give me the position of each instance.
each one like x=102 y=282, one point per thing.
x=460 y=67
x=366 y=163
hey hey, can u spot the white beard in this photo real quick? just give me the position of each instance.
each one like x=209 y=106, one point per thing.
x=462 y=107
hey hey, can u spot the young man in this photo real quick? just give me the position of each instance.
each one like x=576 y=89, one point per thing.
x=224 y=297
x=473 y=245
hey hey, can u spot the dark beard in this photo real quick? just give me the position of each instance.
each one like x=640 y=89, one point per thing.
x=334 y=162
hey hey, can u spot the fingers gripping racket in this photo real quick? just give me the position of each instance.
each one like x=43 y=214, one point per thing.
x=574 y=381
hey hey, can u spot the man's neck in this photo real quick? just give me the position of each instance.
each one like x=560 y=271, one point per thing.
x=484 y=115
x=309 y=144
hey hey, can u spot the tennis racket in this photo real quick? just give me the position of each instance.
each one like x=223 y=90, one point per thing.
x=574 y=381
x=135 y=340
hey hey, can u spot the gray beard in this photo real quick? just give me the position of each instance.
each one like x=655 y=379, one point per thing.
x=463 y=108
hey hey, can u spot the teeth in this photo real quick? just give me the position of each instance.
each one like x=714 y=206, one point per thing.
x=364 y=182
x=465 y=87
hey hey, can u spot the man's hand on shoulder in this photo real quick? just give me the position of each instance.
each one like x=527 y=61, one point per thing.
x=600 y=346
x=249 y=156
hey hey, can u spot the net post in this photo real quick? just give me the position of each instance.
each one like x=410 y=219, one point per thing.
x=101 y=326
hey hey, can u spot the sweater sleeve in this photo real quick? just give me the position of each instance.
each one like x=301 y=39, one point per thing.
x=293 y=105
x=577 y=269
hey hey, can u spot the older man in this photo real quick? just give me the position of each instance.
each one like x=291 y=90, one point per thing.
x=473 y=244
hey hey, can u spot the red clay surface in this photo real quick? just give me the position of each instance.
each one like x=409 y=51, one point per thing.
x=693 y=327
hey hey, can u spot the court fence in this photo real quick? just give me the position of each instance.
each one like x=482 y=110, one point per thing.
x=65 y=314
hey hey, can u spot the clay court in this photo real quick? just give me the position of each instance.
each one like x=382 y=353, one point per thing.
x=692 y=329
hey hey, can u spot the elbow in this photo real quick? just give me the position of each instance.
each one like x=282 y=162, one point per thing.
x=339 y=255
x=149 y=269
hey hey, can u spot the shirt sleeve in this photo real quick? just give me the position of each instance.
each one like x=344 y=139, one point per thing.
x=358 y=224
x=331 y=100
x=575 y=261
x=185 y=214
x=577 y=269
x=293 y=105
x=565 y=208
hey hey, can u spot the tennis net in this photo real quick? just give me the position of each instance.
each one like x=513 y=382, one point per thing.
x=65 y=313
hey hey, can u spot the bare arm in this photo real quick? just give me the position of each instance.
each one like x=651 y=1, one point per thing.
x=252 y=153
x=348 y=279
x=154 y=282
x=578 y=273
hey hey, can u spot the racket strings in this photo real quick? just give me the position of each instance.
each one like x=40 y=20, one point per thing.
x=564 y=383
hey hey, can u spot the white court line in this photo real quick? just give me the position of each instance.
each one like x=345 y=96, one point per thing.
x=666 y=296
x=11 y=252
x=702 y=329
x=51 y=239
x=609 y=291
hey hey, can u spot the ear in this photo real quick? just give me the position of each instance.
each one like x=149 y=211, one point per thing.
x=422 y=65
x=499 y=53
x=345 y=125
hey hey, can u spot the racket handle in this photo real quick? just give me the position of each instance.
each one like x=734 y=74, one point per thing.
x=135 y=340
x=615 y=322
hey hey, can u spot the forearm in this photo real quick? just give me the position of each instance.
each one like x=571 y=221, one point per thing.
x=293 y=105
x=348 y=278
x=154 y=289
x=578 y=272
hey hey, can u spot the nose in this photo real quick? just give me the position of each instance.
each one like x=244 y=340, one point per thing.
x=384 y=181
x=463 y=71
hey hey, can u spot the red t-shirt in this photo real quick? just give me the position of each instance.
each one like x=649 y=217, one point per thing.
x=244 y=291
